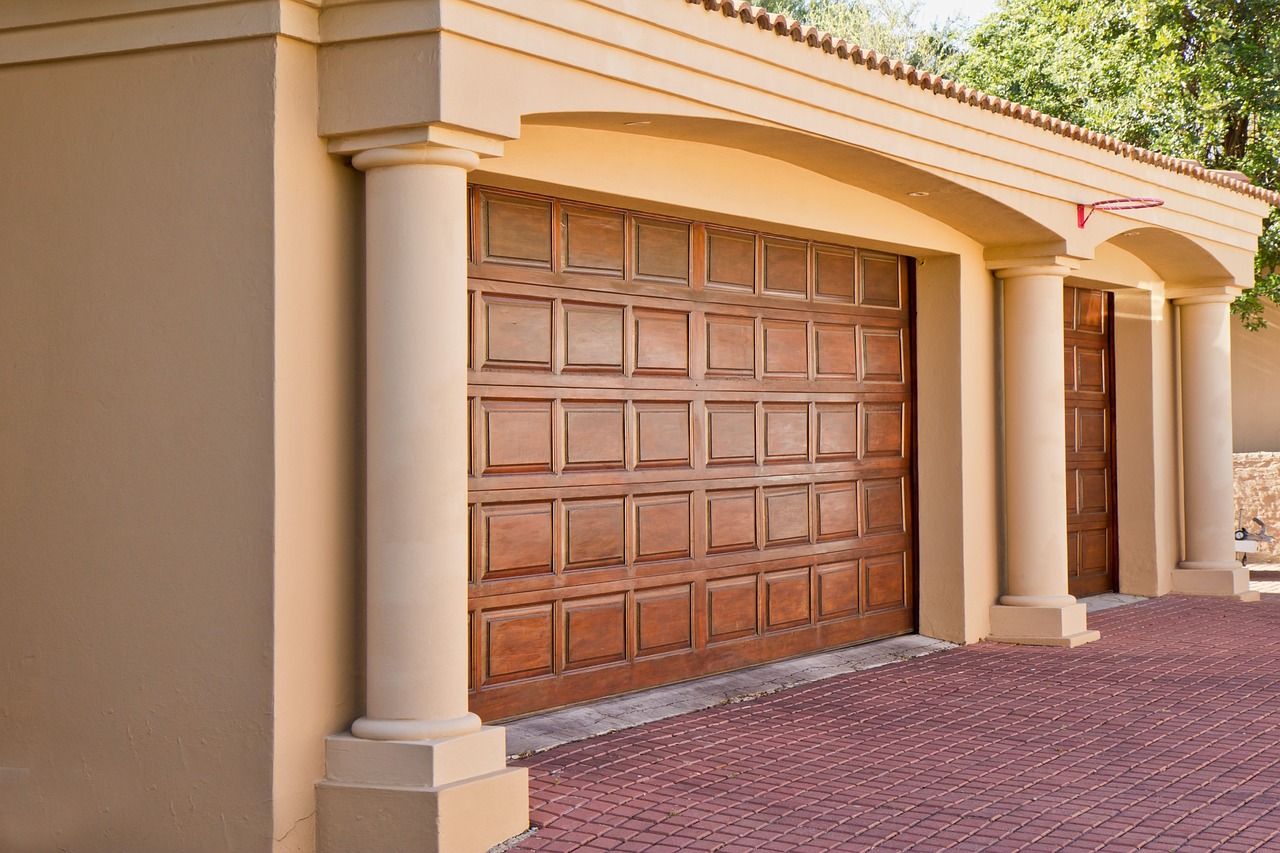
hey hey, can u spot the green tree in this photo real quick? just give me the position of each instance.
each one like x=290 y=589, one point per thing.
x=889 y=27
x=1192 y=78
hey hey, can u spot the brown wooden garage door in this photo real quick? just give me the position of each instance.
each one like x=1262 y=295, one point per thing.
x=691 y=450
x=1090 y=413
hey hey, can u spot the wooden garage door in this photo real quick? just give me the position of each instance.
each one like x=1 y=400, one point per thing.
x=691 y=450
x=1090 y=419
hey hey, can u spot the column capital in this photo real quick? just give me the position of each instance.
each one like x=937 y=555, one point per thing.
x=420 y=155
x=1058 y=266
x=1203 y=294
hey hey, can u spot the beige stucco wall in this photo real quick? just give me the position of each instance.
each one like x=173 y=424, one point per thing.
x=136 y=355
x=1255 y=399
x=318 y=319
x=1148 y=511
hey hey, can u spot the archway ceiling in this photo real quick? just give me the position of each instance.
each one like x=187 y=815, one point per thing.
x=1172 y=256
x=978 y=216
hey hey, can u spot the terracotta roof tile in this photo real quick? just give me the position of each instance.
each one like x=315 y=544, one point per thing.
x=812 y=37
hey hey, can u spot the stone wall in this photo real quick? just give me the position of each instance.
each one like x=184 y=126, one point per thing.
x=1258 y=493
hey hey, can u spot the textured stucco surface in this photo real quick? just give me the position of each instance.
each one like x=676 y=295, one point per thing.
x=136 y=468
x=1258 y=494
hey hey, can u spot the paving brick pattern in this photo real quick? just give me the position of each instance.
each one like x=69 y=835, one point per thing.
x=1164 y=735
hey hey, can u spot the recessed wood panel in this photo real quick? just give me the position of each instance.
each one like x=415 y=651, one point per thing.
x=881 y=283
x=1068 y=308
x=594 y=533
x=883 y=506
x=883 y=430
x=662 y=250
x=1069 y=424
x=1073 y=492
x=731 y=520
x=1093 y=431
x=731 y=433
x=595 y=631
x=787 y=600
x=1094 y=491
x=1095 y=549
x=593 y=435
x=517 y=230
x=593 y=338
x=662 y=527
x=835 y=348
x=1073 y=554
x=516 y=539
x=786 y=515
x=786 y=349
x=731 y=260
x=838 y=590
x=664 y=620
x=786 y=432
x=881 y=355
x=732 y=608
x=516 y=436
x=662 y=435
x=731 y=346
x=1092 y=306
x=661 y=342
x=886 y=578
x=517 y=333
x=1091 y=371
x=835 y=274
x=786 y=268
x=594 y=241
x=516 y=643
x=1069 y=367
x=837 y=431
x=837 y=510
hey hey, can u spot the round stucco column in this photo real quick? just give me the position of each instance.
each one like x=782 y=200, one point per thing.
x=1035 y=438
x=416 y=409
x=1204 y=326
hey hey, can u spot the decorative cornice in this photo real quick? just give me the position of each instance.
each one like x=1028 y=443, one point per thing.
x=27 y=35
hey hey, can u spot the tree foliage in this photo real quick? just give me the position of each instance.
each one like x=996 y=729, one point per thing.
x=1191 y=78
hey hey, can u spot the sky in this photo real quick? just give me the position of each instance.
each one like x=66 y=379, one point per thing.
x=971 y=9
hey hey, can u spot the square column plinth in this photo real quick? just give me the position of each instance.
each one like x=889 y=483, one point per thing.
x=1224 y=582
x=1041 y=626
x=453 y=795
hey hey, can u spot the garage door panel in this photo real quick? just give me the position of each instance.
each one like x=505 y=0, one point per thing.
x=731 y=260
x=595 y=241
x=835 y=274
x=690 y=450
x=593 y=337
x=1090 y=416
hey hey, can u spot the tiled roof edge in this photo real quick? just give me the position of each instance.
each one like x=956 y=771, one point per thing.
x=827 y=43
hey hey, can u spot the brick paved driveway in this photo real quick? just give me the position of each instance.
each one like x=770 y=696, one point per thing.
x=1165 y=735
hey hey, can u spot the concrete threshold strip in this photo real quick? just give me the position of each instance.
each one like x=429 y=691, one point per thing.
x=536 y=734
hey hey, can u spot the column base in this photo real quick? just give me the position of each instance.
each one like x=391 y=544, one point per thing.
x=431 y=796
x=1222 y=580
x=1041 y=626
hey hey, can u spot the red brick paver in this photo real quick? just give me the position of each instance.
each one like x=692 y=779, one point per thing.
x=1164 y=735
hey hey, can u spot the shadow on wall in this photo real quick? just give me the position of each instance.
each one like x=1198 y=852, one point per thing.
x=1258 y=495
